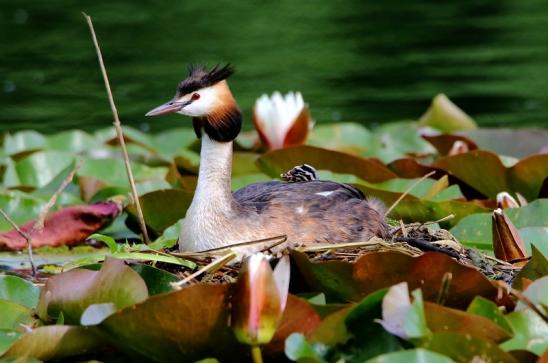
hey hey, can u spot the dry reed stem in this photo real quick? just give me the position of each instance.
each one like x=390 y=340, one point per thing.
x=407 y=192
x=119 y=131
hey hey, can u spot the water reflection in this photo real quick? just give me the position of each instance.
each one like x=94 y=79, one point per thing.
x=365 y=61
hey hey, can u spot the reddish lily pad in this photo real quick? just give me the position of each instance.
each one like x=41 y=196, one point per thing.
x=444 y=142
x=73 y=291
x=485 y=172
x=68 y=226
x=441 y=319
x=465 y=348
x=279 y=161
x=352 y=281
x=54 y=342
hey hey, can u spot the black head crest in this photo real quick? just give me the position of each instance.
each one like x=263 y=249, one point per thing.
x=199 y=77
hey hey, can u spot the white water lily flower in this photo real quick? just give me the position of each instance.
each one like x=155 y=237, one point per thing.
x=282 y=120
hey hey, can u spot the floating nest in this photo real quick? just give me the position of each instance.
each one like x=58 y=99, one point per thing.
x=412 y=239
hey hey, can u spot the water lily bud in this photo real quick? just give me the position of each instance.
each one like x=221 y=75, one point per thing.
x=258 y=300
x=507 y=243
x=459 y=147
x=505 y=200
x=282 y=120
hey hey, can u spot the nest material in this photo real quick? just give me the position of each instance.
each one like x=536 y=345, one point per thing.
x=412 y=239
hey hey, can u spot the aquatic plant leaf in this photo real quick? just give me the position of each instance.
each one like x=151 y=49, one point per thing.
x=298 y=349
x=22 y=141
x=445 y=142
x=475 y=230
x=38 y=169
x=441 y=319
x=444 y=115
x=485 y=172
x=73 y=291
x=162 y=208
x=279 y=161
x=73 y=141
x=96 y=313
x=19 y=291
x=13 y=315
x=516 y=142
x=352 y=281
x=67 y=226
x=465 y=348
x=347 y=137
x=298 y=316
x=112 y=171
x=537 y=293
x=530 y=332
x=411 y=356
x=488 y=309
x=54 y=342
x=536 y=268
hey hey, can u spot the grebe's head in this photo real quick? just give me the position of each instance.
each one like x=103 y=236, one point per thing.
x=205 y=96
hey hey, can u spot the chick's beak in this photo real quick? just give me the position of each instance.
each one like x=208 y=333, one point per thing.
x=168 y=107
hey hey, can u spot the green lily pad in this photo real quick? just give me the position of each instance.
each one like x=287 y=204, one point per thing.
x=54 y=342
x=397 y=140
x=347 y=137
x=411 y=356
x=113 y=171
x=12 y=315
x=73 y=141
x=475 y=230
x=23 y=141
x=73 y=291
x=162 y=208
x=488 y=309
x=512 y=142
x=530 y=332
x=536 y=268
x=444 y=115
x=38 y=169
x=19 y=291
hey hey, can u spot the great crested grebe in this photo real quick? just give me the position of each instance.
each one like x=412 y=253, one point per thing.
x=303 y=208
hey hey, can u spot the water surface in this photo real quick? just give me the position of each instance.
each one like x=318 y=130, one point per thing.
x=354 y=60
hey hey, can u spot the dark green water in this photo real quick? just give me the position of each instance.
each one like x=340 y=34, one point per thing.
x=358 y=60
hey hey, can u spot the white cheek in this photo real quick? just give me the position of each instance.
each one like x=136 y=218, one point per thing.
x=202 y=106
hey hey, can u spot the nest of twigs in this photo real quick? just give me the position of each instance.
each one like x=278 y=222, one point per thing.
x=412 y=239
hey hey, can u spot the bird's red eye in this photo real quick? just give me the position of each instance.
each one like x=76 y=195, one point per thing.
x=195 y=96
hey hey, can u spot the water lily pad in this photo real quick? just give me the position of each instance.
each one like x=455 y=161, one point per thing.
x=73 y=141
x=444 y=115
x=12 y=315
x=73 y=291
x=475 y=230
x=352 y=281
x=23 y=141
x=411 y=356
x=488 y=309
x=19 y=291
x=530 y=332
x=279 y=161
x=441 y=319
x=465 y=348
x=54 y=342
x=347 y=137
x=162 y=208
x=38 y=169
x=512 y=142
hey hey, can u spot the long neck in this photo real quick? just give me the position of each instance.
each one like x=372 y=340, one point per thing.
x=214 y=178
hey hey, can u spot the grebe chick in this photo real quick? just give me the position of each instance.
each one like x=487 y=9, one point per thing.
x=307 y=211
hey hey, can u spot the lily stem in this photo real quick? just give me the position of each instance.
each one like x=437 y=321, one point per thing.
x=256 y=354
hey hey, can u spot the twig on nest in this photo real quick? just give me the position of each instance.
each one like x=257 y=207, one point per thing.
x=209 y=267
x=427 y=246
x=119 y=132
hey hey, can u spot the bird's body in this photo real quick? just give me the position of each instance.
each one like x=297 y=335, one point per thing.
x=306 y=212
